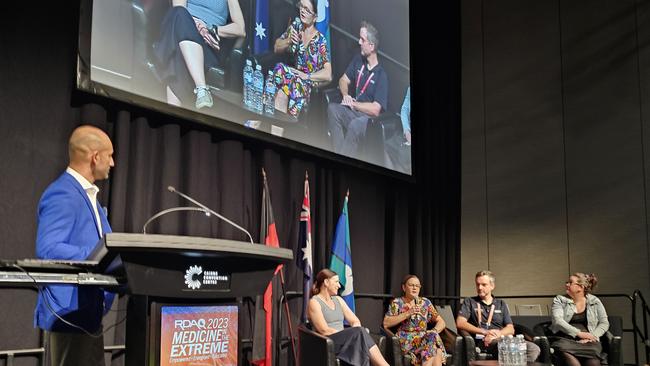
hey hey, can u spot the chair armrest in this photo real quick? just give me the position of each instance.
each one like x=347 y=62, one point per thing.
x=332 y=95
x=612 y=346
x=315 y=349
x=393 y=349
x=545 y=348
x=390 y=124
x=469 y=348
x=459 y=356
x=387 y=117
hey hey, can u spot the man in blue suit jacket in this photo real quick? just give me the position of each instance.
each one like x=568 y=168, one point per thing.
x=70 y=223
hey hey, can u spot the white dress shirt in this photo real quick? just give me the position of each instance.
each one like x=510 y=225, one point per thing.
x=91 y=191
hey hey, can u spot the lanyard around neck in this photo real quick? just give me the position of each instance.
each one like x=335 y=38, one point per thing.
x=363 y=89
x=480 y=315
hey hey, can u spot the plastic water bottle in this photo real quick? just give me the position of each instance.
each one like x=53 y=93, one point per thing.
x=248 y=84
x=521 y=345
x=501 y=346
x=258 y=89
x=269 y=94
x=513 y=349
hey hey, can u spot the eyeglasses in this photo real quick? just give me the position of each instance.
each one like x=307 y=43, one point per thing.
x=305 y=10
x=571 y=283
x=413 y=285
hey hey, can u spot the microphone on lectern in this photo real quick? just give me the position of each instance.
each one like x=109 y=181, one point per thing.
x=209 y=211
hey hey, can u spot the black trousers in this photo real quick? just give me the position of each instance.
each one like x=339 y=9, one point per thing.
x=74 y=349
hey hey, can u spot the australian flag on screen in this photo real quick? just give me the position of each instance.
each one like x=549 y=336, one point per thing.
x=261 y=37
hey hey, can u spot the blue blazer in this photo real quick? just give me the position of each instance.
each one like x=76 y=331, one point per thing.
x=67 y=229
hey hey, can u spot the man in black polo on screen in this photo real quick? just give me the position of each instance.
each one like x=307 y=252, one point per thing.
x=487 y=318
x=364 y=88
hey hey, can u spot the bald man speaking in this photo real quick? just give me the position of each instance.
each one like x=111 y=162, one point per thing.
x=70 y=222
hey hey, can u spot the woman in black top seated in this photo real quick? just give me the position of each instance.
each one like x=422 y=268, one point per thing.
x=579 y=320
x=327 y=311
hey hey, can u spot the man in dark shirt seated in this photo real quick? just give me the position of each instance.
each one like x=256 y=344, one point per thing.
x=487 y=318
x=364 y=87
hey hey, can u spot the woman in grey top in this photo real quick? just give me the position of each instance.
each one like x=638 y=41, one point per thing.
x=579 y=320
x=188 y=45
x=327 y=312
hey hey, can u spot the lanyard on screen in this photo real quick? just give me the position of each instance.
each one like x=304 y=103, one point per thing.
x=363 y=89
x=479 y=314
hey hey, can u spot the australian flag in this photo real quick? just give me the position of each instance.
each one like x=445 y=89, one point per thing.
x=304 y=257
x=261 y=38
x=341 y=261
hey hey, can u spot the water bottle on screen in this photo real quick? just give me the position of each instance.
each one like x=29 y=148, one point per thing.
x=269 y=94
x=248 y=83
x=502 y=350
x=521 y=344
x=513 y=349
x=258 y=89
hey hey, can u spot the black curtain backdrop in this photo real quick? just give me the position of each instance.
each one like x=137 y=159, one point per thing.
x=397 y=227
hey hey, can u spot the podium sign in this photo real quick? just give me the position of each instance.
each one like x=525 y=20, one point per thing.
x=198 y=335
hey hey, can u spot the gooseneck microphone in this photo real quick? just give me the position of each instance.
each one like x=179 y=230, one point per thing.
x=209 y=211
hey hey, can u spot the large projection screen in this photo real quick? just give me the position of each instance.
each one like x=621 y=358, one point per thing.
x=147 y=53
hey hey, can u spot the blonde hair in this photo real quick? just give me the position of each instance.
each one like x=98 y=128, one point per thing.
x=587 y=281
x=486 y=273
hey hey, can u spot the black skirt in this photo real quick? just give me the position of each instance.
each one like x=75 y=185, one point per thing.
x=577 y=349
x=352 y=346
x=178 y=26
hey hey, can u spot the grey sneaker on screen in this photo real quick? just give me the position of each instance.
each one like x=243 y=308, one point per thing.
x=203 y=97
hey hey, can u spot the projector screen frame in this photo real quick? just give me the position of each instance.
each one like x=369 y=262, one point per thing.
x=103 y=92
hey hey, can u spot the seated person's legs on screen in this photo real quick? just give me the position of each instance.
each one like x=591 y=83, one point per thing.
x=293 y=92
x=335 y=122
x=356 y=131
x=183 y=56
x=193 y=56
x=281 y=101
x=346 y=127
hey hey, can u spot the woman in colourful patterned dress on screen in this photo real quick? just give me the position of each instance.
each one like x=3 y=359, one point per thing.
x=311 y=61
x=412 y=313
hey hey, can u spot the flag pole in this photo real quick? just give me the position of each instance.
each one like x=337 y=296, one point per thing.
x=286 y=310
x=286 y=304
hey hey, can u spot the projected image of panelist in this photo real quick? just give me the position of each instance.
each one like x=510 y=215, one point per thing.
x=189 y=44
x=311 y=61
x=398 y=146
x=364 y=88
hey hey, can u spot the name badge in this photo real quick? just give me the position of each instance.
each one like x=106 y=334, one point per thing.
x=497 y=311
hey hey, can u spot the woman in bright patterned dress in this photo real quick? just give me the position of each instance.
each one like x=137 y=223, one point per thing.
x=309 y=49
x=411 y=313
